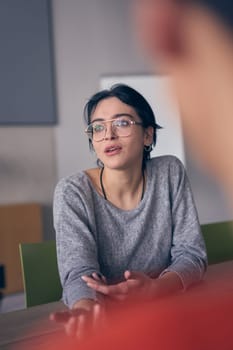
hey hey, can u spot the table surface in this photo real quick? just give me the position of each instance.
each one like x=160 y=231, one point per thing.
x=28 y=325
x=30 y=328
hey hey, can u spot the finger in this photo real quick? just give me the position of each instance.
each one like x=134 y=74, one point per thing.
x=104 y=279
x=112 y=290
x=120 y=288
x=99 y=277
x=96 y=276
x=70 y=326
x=96 y=314
x=81 y=329
x=60 y=317
x=101 y=288
x=134 y=275
x=99 y=317
x=127 y=274
x=88 y=279
x=92 y=280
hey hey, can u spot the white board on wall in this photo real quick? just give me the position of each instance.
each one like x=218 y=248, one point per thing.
x=155 y=90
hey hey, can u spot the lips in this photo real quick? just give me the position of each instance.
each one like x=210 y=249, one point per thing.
x=112 y=149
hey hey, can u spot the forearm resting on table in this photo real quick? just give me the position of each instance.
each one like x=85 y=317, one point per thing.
x=167 y=284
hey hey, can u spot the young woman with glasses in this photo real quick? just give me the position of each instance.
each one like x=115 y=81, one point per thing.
x=129 y=226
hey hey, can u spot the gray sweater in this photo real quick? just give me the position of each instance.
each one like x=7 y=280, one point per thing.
x=161 y=234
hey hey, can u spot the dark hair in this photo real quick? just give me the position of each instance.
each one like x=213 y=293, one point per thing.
x=131 y=97
x=222 y=8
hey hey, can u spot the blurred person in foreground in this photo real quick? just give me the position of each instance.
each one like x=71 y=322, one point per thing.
x=192 y=41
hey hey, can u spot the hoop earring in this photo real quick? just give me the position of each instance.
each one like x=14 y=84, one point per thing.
x=148 y=149
x=99 y=163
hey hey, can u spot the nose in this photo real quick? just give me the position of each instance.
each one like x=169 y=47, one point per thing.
x=110 y=133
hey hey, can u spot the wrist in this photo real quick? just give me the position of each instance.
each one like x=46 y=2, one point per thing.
x=84 y=304
x=167 y=284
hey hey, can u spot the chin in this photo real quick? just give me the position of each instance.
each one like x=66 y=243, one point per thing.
x=115 y=166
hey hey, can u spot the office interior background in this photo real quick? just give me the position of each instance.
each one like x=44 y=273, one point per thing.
x=90 y=38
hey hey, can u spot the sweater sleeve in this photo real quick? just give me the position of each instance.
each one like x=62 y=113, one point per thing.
x=188 y=251
x=76 y=242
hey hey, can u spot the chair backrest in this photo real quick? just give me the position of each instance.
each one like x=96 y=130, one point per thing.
x=40 y=272
x=219 y=241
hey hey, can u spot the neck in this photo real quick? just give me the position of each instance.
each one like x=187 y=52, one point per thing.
x=124 y=189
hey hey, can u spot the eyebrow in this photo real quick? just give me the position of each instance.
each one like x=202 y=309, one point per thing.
x=113 y=117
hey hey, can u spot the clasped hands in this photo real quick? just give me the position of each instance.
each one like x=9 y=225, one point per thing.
x=135 y=284
x=87 y=314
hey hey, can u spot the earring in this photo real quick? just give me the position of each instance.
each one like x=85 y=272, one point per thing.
x=99 y=163
x=148 y=148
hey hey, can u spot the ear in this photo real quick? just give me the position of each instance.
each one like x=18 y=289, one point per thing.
x=148 y=136
x=159 y=25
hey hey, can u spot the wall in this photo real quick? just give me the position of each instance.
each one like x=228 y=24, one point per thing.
x=27 y=158
x=27 y=168
x=91 y=38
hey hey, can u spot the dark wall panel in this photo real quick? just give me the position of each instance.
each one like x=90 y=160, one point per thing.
x=26 y=63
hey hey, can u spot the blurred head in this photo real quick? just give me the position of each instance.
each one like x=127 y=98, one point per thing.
x=192 y=40
x=136 y=101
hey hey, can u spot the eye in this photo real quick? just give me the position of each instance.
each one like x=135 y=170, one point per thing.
x=122 y=122
x=97 y=128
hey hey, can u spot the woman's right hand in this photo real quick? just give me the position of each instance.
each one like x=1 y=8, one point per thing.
x=85 y=316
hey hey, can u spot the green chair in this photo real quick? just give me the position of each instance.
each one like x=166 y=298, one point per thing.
x=219 y=241
x=40 y=272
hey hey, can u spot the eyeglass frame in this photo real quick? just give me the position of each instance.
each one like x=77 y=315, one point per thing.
x=132 y=122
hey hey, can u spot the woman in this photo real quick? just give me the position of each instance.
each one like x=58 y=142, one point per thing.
x=129 y=225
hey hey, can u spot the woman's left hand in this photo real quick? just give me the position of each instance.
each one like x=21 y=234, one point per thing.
x=136 y=283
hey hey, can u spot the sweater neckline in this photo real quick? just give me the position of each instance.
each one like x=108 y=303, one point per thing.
x=111 y=205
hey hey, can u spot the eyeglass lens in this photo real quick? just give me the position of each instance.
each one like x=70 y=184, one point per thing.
x=120 y=126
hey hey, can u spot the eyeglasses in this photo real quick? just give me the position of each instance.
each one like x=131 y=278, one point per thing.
x=121 y=126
